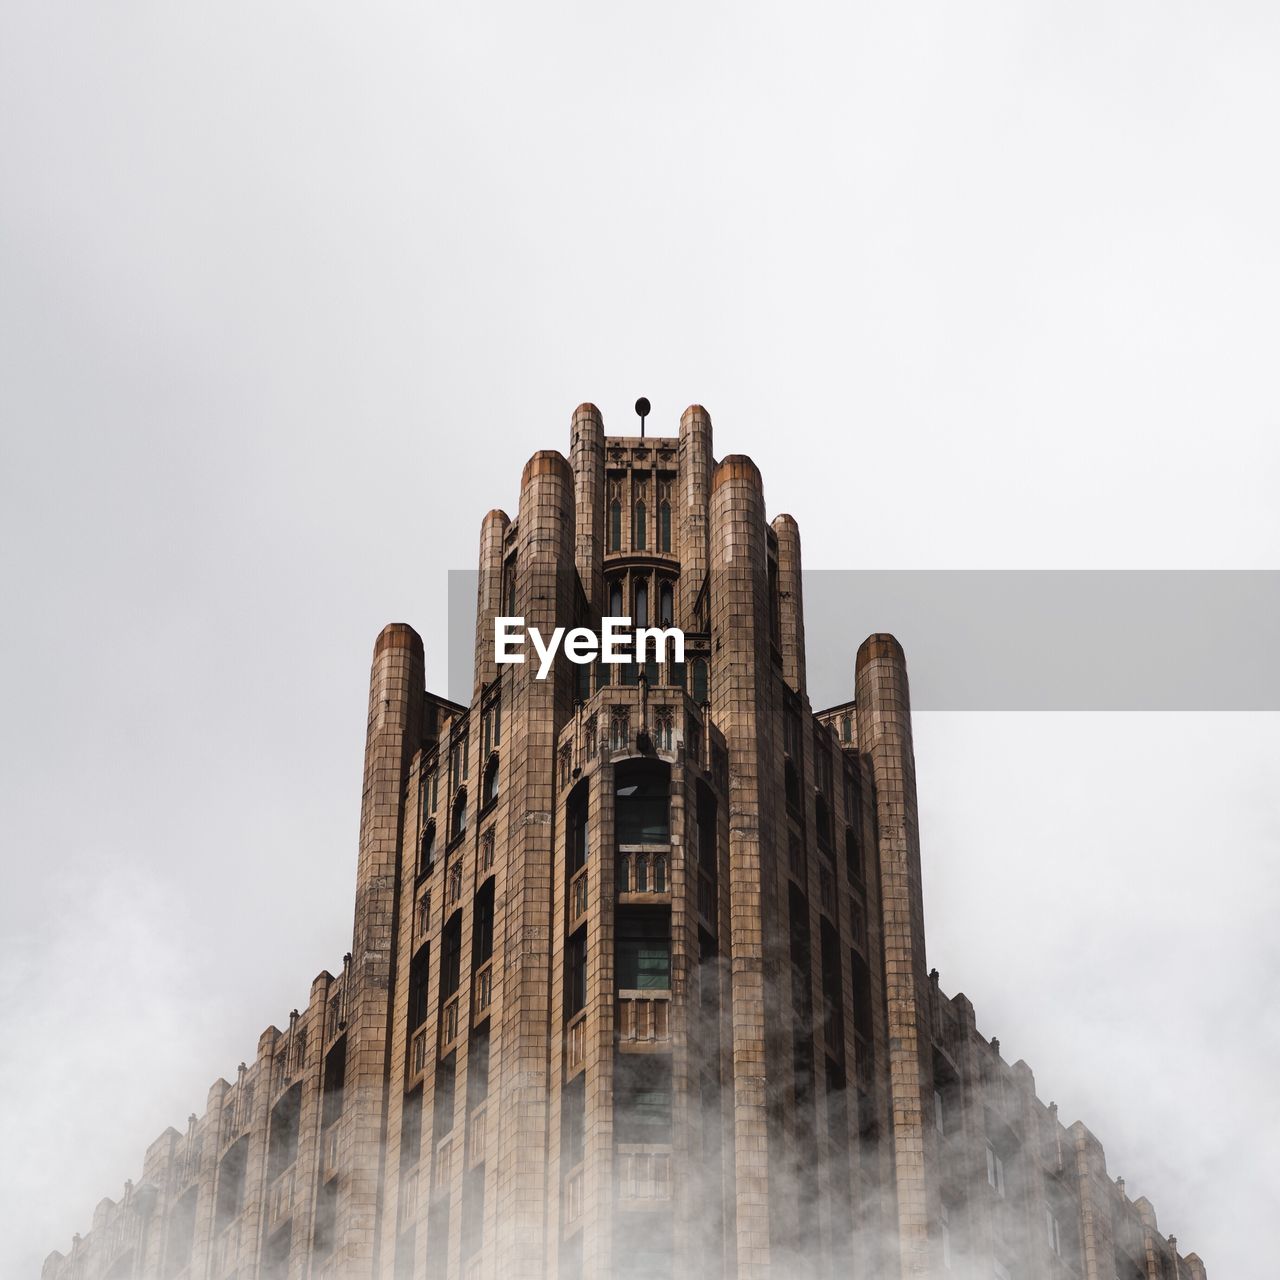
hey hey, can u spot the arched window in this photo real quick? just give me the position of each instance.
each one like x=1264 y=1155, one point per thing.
x=664 y=527
x=666 y=605
x=458 y=815
x=846 y=728
x=659 y=873
x=615 y=525
x=642 y=603
x=615 y=598
x=643 y=809
x=489 y=793
x=638 y=530
x=427 y=849
x=700 y=682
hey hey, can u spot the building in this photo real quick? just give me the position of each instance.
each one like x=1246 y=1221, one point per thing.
x=638 y=982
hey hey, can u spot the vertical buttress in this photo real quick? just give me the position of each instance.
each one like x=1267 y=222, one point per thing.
x=790 y=602
x=489 y=601
x=696 y=464
x=884 y=734
x=546 y=589
x=397 y=693
x=586 y=456
x=740 y=623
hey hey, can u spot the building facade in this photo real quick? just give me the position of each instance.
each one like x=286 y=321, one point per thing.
x=638 y=984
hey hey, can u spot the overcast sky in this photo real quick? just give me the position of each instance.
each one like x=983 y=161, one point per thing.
x=289 y=292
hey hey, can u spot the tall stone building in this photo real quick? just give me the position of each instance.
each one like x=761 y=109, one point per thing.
x=638 y=983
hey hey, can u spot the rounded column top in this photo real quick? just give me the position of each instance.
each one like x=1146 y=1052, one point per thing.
x=881 y=645
x=587 y=412
x=546 y=462
x=737 y=467
x=397 y=635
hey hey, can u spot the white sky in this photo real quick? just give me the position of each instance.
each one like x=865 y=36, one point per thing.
x=288 y=293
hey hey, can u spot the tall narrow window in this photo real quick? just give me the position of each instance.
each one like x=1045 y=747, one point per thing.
x=576 y=836
x=482 y=926
x=231 y=1183
x=451 y=956
x=638 y=529
x=701 y=685
x=490 y=791
x=427 y=850
x=282 y=1145
x=418 y=967
x=615 y=525
x=458 y=821
x=666 y=605
x=642 y=603
x=575 y=973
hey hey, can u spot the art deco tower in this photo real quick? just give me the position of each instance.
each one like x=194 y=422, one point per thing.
x=638 y=983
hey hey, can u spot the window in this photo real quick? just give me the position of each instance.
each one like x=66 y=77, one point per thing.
x=335 y=1083
x=852 y=857
x=182 y=1232
x=615 y=526
x=458 y=819
x=451 y=956
x=1054 y=1232
x=411 y=1128
x=427 y=850
x=615 y=598
x=326 y=1218
x=573 y=1108
x=822 y=820
x=642 y=604
x=643 y=949
x=638 y=529
x=282 y=1145
x=482 y=926
x=939 y=1121
x=446 y=1091
x=418 y=969
x=231 y=1183
x=478 y=1068
x=576 y=837
x=995 y=1171
x=707 y=859
x=666 y=605
x=664 y=515
x=701 y=685
x=643 y=810
x=642 y=1098
x=458 y=761
x=791 y=785
x=846 y=728
x=489 y=794
x=944 y=1219
x=275 y=1254
x=492 y=725
x=575 y=974
x=509 y=586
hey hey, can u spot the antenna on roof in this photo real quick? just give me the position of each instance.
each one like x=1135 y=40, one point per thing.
x=642 y=408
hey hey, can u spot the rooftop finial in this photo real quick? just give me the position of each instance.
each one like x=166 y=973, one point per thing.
x=642 y=408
